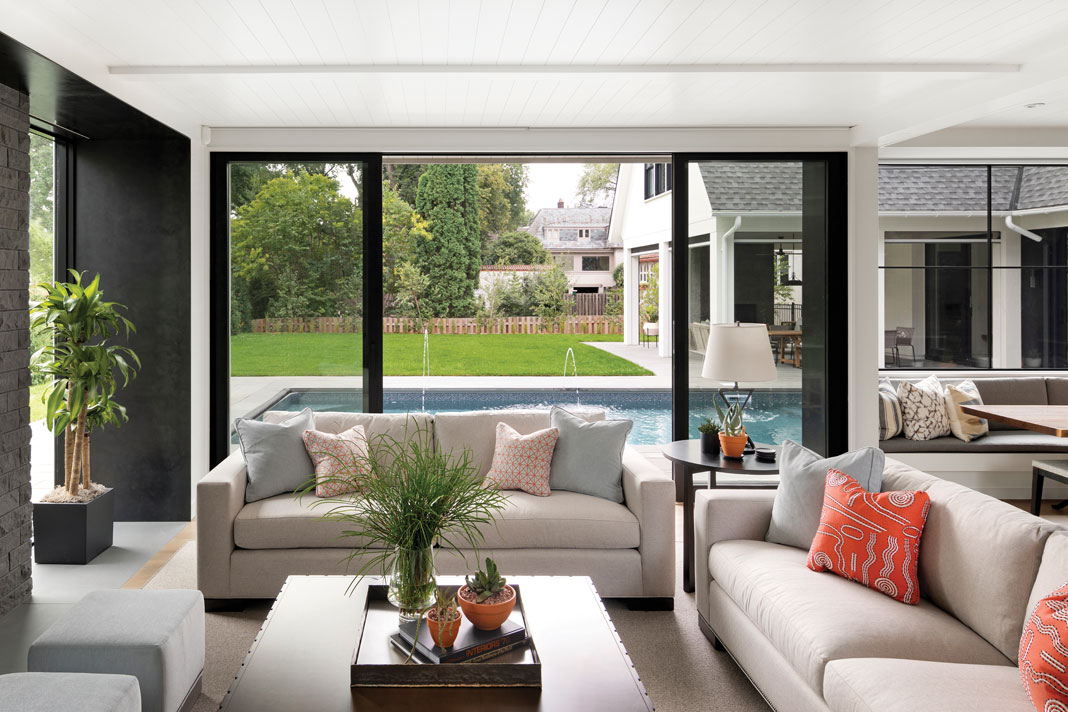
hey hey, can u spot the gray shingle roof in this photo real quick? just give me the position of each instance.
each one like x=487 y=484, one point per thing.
x=571 y=217
x=776 y=187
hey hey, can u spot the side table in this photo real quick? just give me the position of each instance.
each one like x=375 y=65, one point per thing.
x=686 y=459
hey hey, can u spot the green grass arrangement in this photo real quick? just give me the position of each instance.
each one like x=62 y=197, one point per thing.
x=412 y=498
x=450 y=355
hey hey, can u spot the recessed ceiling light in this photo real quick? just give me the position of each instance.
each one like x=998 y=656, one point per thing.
x=1035 y=105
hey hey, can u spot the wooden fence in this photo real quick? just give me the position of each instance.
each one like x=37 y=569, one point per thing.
x=588 y=304
x=586 y=324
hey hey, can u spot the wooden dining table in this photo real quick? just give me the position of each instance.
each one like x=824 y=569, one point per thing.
x=794 y=337
x=1048 y=419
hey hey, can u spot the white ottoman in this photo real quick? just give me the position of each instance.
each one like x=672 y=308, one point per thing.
x=156 y=636
x=62 y=691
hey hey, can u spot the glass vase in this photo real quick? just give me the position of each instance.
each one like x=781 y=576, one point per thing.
x=411 y=581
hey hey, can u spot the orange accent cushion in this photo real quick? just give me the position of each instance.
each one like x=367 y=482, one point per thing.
x=1044 y=652
x=871 y=538
x=340 y=460
x=522 y=461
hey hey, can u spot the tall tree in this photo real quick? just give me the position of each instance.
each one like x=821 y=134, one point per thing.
x=597 y=184
x=42 y=184
x=517 y=176
x=404 y=179
x=295 y=249
x=494 y=209
x=451 y=256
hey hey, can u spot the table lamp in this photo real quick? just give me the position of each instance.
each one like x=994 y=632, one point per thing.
x=738 y=352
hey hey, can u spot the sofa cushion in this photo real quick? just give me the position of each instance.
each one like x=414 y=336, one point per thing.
x=923 y=409
x=477 y=430
x=398 y=426
x=521 y=462
x=289 y=522
x=994 y=441
x=813 y=618
x=1011 y=391
x=889 y=410
x=1043 y=656
x=964 y=426
x=891 y=685
x=566 y=520
x=275 y=458
x=871 y=538
x=589 y=455
x=82 y=691
x=795 y=516
x=966 y=531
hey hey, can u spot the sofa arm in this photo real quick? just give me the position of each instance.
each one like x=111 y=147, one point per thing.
x=220 y=497
x=650 y=495
x=723 y=515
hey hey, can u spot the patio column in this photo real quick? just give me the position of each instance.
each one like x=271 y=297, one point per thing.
x=664 y=342
x=865 y=339
x=630 y=297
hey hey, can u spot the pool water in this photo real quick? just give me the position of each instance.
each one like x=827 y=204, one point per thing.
x=771 y=416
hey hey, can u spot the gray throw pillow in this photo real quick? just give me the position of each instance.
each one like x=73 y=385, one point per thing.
x=275 y=456
x=588 y=458
x=795 y=515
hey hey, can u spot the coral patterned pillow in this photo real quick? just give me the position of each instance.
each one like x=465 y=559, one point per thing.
x=871 y=538
x=1044 y=653
x=340 y=460
x=522 y=461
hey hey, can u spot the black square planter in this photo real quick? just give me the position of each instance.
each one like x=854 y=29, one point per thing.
x=73 y=533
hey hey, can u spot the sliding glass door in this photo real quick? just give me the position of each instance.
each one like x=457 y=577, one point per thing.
x=761 y=239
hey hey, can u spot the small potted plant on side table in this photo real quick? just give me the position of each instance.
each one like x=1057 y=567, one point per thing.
x=733 y=437
x=443 y=619
x=487 y=600
x=709 y=437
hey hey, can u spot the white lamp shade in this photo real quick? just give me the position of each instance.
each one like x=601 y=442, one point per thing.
x=739 y=352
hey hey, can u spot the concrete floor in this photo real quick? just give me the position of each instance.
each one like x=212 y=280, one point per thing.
x=57 y=587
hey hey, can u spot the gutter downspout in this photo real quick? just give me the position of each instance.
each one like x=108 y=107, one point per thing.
x=723 y=264
x=1021 y=231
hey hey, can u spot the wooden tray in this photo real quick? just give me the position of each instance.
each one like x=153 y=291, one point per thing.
x=376 y=662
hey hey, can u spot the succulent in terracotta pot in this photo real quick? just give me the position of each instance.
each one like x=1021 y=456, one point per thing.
x=732 y=436
x=443 y=619
x=487 y=600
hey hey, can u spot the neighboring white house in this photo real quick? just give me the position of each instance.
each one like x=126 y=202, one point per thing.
x=578 y=240
x=935 y=270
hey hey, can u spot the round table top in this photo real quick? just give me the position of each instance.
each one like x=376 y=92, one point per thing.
x=688 y=452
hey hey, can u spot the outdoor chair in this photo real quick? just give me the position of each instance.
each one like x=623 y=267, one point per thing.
x=903 y=337
x=890 y=344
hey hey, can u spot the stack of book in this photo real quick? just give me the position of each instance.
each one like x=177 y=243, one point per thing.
x=472 y=645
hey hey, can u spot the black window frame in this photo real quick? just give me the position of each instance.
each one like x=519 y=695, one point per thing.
x=601 y=259
x=990 y=268
x=219 y=282
x=833 y=218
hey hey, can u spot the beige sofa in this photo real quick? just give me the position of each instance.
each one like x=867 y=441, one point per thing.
x=247 y=550
x=815 y=642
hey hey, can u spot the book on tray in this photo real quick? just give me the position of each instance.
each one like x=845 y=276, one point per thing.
x=472 y=645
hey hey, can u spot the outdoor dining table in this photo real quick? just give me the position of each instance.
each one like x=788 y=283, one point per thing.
x=1048 y=419
x=794 y=337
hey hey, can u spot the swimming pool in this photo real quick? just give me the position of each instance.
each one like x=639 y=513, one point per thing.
x=771 y=417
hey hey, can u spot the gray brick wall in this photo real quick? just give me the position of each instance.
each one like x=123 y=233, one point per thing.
x=15 y=509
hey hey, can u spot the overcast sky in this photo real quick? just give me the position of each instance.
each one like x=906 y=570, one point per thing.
x=549 y=182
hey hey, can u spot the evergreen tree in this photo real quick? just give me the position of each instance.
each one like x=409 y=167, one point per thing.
x=451 y=257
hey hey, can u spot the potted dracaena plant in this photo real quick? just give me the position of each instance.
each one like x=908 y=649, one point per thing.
x=709 y=436
x=732 y=436
x=73 y=523
x=413 y=498
x=487 y=599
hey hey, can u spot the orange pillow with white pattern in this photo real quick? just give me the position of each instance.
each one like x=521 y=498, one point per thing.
x=1044 y=653
x=340 y=460
x=521 y=462
x=872 y=538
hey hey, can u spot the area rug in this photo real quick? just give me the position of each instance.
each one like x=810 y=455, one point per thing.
x=681 y=671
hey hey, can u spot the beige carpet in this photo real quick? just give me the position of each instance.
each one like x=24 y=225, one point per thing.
x=681 y=671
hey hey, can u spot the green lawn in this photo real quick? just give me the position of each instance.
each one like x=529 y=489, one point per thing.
x=450 y=355
x=37 y=408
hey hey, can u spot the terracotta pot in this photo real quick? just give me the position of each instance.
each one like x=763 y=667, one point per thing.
x=733 y=445
x=444 y=633
x=487 y=616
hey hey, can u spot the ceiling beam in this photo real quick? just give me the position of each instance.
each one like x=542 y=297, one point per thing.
x=132 y=70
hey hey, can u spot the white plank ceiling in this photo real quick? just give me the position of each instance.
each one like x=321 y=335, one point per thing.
x=210 y=61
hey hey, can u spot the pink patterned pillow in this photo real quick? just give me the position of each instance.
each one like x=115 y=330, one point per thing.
x=522 y=461
x=340 y=460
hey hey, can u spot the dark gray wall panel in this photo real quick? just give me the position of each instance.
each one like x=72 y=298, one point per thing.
x=131 y=208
